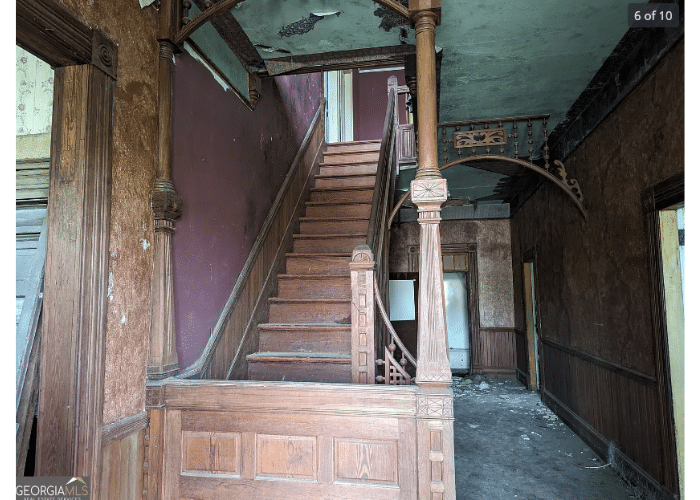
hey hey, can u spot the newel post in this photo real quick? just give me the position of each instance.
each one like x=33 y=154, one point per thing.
x=429 y=191
x=167 y=207
x=362 y=315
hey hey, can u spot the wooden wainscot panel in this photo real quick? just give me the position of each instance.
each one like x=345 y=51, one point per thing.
x=211 y=453
x=286 y=457
x=366 y=462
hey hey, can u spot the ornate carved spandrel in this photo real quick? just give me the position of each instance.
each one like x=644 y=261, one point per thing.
x=571 y=184
x=477 y=138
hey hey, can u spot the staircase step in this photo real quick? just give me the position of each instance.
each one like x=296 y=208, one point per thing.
x=319 y=286
x=332 y=209
x=329 y=169
x=345 y=158
x=353 y=180
x=284 y=337
x=336 y=311
x=305 y=243
x=300 y=367
x=334 y=147
x=342 y=195
x=318 y=263
x=333 y=225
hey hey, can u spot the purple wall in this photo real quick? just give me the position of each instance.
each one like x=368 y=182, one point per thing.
x=228 y=165
x=369 y=100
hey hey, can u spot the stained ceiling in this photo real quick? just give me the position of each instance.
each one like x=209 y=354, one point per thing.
x=500 y=58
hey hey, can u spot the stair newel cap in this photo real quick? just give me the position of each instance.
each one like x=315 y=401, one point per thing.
x=362 y=258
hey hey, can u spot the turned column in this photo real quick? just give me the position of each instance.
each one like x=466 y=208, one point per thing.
x=435 y=423
x=167 y=207
x=429 y=192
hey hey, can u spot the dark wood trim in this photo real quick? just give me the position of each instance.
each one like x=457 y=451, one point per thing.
x=75 y=296
x=508 y=329
x=124 y=427
x=603 y=363
x=338 y=60
x=662 y=195
x=49 y=31
x=602 y=447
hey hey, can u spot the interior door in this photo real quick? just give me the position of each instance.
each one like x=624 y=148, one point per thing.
x=457 y=317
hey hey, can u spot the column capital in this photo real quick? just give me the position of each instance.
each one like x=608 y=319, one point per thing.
x=429 y=193
x=165 y=202
x=419 y=8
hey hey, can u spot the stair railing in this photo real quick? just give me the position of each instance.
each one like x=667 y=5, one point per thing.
x=372 y=334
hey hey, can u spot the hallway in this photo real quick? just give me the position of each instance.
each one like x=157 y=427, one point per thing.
x=508 y=445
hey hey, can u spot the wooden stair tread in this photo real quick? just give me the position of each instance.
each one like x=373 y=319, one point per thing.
x=313 y=276
x=337 y=176
x=313 y=236
x=336 y=203
x=360 y=151
x=348 y=164
x=347 y=143
x=330 y=219
x=308 y=357
x=304 y=326
x=302 y=300
x=343 y=188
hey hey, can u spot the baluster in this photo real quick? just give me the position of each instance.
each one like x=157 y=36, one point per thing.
x=500 y=125
x=186 y=4
x=488 y=148
x=546 y=145
x=471 y=127
x=529 y=138
x=515 y=138
x=207 y=4
x=444 y=143
x=459 y=150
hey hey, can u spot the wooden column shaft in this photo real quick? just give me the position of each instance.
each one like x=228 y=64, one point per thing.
x=166 y=54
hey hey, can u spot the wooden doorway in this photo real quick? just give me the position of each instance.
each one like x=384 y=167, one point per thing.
x=532 y=339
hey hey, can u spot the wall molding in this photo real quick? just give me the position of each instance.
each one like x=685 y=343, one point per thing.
x=603 y=363
x=604 y=448
x=202 y=366
x=124 y=427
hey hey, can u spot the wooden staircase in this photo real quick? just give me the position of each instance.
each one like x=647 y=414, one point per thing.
x=307 y=338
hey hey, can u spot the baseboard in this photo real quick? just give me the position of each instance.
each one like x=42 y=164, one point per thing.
x=624 y=466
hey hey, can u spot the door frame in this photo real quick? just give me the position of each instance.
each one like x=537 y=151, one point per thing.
x=72 y=356
x=660 y=196
x=532 y=327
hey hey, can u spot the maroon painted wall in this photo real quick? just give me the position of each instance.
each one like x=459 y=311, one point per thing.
x=592 y=278
x=228 y=165
x=369 y=101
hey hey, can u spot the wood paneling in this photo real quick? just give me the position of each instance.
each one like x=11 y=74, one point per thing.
x=287 y=440
x=494 y=351
x=123 y=457
x=234 y=335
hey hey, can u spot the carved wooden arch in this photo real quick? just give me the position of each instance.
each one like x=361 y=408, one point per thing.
x=557 y=175
x=226 y=5
x=570 y=186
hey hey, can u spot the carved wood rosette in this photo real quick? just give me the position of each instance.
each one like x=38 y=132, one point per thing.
x=162 y=356
x=362 y=315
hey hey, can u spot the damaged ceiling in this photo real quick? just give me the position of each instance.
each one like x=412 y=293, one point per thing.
x=499 y=58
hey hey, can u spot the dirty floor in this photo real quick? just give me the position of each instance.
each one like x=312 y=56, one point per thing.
x=508 y=445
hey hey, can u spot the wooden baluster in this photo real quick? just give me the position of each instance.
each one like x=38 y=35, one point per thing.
x=500 y=124
x=529 y=138
x=444 y=144
x=515 y=139
x=186 y=6
x=471 y=127
x=546 y=145
x=488 y=148
x=459 y=150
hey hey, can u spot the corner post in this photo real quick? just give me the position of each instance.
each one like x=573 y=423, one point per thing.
x=167 y=207
x=362 y=315
x=435 y=421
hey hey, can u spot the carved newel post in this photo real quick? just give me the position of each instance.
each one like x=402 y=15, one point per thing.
x=429 y=192
x=167 y=207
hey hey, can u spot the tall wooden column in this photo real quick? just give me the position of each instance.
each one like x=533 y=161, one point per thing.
x=429 y=191
x=167 y=207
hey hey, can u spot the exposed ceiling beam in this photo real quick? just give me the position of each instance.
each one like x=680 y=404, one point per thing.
x=344 y=59
x=232 y=33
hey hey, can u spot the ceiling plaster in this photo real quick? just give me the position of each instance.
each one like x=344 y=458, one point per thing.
x=500 y=58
